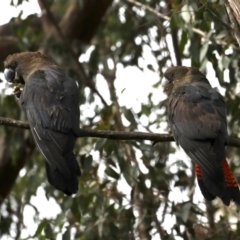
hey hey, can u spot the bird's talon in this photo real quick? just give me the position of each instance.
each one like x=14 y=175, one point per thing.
x=17 y=92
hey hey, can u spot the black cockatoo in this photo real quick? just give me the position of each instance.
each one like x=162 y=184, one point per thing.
x=197 y=116
x=51 y=101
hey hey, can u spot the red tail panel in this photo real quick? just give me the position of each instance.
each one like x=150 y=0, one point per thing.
x=228 y=176
x=231 y=190
x=198 y=171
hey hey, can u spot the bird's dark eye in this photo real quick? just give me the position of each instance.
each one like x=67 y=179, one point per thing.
x=14 y=64
x=170 y=76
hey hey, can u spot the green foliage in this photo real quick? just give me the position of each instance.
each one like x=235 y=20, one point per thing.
x=104 y=207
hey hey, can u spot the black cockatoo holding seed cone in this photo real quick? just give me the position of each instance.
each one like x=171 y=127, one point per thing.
x=51 y=101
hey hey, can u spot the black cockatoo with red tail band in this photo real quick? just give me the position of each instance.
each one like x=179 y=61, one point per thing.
x=197 y=116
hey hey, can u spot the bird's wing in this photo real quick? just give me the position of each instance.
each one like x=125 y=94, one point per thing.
x=198 y=119
x=51 y=101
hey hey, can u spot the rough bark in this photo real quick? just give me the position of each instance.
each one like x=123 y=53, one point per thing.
x=233 y=10
x=82 y=22
x=10 y=169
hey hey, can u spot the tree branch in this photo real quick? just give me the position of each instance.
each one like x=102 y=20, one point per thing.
x=114 y=135
x=8 y=45
x=233 y=9
x=82 y=22
x=117 y=135
x=13 y=123
x=174 y=33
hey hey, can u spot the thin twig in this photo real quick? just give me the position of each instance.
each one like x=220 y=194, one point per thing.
x=114 y=135
x=82 y=74
x=233 y=21
x=160 y=15
x=195 y=30
x=215 y=15
x=210 y=216
x=159 y=228
x=174 y=33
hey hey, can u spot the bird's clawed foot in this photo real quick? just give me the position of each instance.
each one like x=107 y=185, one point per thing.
x=17 y=92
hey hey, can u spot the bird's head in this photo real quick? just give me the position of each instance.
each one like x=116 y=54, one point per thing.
x=180 y=75
x=19 y=66
x=11 y=64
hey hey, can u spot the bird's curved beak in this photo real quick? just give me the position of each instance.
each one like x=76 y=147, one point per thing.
x=9 y=74
x=165 y=82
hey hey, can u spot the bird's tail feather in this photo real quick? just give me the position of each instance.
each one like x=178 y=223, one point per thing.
x=227 y=191
x=205 y=192
x=62 y=168
x=232 y=189
x=58 y=180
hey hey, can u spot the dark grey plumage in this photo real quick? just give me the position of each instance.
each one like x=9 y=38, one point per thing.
x=197 y=116
x=51 y=101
